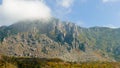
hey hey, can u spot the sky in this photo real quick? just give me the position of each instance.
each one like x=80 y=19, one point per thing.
x=86 y=13
x=0 y=1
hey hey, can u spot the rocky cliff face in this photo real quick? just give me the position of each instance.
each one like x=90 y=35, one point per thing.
x=55 y=39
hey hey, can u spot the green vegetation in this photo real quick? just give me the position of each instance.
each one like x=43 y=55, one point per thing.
x=12 y=62
x=56 y=38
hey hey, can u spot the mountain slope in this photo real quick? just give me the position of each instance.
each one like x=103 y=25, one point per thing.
x=57 y=39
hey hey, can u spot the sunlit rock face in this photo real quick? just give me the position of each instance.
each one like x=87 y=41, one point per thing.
x=58 y=39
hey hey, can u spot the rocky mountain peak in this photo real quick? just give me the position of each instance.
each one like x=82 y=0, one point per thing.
x=59 y=39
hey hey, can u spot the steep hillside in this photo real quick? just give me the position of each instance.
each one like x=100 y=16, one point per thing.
x=57 y=39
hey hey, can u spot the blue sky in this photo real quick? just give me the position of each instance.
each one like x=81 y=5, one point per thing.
x=89 y=13
x=86 y=13
x=0 y=1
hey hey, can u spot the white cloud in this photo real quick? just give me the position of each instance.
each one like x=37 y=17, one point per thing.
x=106 y=1
x=15 y=10
x=65 y=3
x=63 y=8
x=110 y=26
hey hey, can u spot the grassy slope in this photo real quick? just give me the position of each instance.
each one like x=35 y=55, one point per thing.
x=12 y=62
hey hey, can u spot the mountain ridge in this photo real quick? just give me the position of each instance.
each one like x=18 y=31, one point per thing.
x=58 y=39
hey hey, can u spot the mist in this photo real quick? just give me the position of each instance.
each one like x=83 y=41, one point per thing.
x=17 y=10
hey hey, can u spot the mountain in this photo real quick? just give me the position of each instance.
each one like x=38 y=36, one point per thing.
x=59 y=39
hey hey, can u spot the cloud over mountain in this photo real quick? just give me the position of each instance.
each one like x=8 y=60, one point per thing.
x=24 y=9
